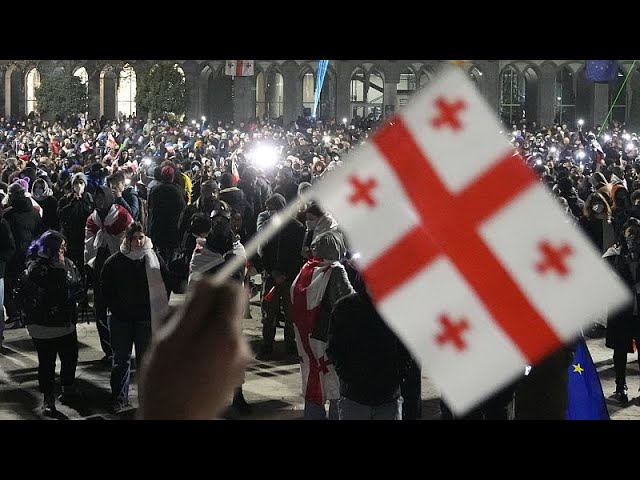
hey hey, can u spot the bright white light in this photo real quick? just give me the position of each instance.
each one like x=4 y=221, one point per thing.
x=355 y=256
x=127 y=181
x=559 y=98
x=626 y=136
x=344 y=120
x=580 y=122
x=539 y=161
x=203 y=118
x=327 y=139
x=607 y=138
x=197 y=125
x=193 y=122
x=553 y=149
x=148 y=161
x=126 y=125
x=514 y=133
x=264 y=156
x=581 y=154
x=186 y=130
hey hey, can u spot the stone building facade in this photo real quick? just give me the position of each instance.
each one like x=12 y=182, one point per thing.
x=539 y=90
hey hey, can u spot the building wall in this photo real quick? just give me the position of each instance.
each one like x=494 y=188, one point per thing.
x=213 y=95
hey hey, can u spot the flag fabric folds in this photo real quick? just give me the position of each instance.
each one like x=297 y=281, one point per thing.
x=585 y=396
x=601 y=71
x=239 y=68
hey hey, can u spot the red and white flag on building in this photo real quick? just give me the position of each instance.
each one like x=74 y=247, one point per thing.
x=239 y=68
x=466 y=255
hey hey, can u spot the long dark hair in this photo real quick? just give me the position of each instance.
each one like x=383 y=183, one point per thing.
x=47 y=246
x=132 y=229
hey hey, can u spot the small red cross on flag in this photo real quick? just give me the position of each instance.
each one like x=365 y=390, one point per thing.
x=239 y=68
x=466 y=255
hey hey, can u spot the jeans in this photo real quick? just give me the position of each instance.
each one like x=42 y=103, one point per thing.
x=67 y=348
x=314 y=411
x=351 y=410
x=125 y=332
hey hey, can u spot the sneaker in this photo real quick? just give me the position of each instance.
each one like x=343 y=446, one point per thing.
x=13 y=324
x=620 y=396
x=49 y=406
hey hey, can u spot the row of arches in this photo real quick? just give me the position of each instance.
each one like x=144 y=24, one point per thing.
x=572 y=95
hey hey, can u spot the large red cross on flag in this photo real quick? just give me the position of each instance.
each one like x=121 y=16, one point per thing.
x=239 y=68
x=468 y=258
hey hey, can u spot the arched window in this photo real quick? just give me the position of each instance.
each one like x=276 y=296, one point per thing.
x=367 y=94
x=512 y=96
x=127 y=91
x=565 y=97
x=619 y=111
x=425 y=78
x=33 y=82
x=406 y=86
x=261 y=104
x=308 y=90
x=275 y=94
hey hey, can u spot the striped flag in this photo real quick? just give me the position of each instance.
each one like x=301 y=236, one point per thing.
x=239 y=68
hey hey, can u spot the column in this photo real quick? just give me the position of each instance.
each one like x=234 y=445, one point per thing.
x=391 y=80
x=244 y=98
x=343 y=85
x=600 y=103
x=3 y=69
x=546 y=95
x=292 y=92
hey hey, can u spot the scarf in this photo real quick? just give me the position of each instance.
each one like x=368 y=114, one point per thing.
x=109 y=233
x=158 y=302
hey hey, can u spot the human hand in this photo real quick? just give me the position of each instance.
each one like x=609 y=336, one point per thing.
x=198 y=357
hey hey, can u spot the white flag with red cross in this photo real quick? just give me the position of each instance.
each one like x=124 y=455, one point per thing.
x=466 y=255
x=239 y=68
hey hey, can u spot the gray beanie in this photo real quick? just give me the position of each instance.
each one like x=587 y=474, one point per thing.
x=80 y=176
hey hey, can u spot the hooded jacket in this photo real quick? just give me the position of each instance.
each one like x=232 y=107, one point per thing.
x=48 y=203
x=26 y=226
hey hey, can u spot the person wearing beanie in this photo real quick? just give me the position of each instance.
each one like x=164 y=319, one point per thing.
x=238 y=202
x=104 y=231
x=26 y=226
x=73 y=210
x=166 y=204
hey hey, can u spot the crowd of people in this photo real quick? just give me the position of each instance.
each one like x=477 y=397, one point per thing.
x=114 y=216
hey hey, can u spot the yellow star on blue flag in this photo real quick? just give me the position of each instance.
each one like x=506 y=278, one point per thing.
x=585 y=397
x=577 y=368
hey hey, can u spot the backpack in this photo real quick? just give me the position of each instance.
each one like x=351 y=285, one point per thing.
x=26 y=293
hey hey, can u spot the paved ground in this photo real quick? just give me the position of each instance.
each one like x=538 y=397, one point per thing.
x=272 y=388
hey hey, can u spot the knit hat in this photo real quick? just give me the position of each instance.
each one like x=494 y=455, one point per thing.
x=167 y=174
x=20 y=185
x=79 y=176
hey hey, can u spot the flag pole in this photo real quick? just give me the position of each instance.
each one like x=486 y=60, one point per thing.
x=616 y=99
x=273 y=226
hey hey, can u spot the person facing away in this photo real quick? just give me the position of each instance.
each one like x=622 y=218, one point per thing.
x=360 y=343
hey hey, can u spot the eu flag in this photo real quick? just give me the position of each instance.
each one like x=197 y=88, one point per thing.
x=601 y=71
x=586 y=400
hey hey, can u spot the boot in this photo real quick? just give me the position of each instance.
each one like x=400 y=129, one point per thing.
x=240 y=403
x=49 y=405
x=621 y=392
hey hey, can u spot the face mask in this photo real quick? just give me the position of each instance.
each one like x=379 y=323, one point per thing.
x=78 y=188
x=312 y=224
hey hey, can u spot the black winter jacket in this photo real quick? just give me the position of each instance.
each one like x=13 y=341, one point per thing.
x=166 y=203
x=26 y=226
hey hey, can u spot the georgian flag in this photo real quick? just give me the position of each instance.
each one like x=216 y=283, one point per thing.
x=466 y=255
x=239 y=68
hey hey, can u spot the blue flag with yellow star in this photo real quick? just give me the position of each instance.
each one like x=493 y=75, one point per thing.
x=586 y=400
